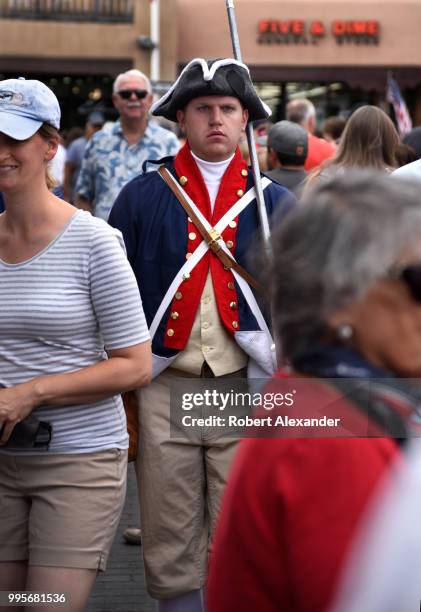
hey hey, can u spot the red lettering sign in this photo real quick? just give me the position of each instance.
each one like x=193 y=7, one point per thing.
x=296 y=31
x=355 y=28
x=373 y=28
x=284 y=27
x=264 y=26
x=297 y=27
x=274 y=26
x=358 y=27
x=317 y=28
x=338 y=28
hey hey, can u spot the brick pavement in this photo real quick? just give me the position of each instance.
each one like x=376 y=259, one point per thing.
x=122 y=587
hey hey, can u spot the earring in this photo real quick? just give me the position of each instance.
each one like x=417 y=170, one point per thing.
x=344 y=331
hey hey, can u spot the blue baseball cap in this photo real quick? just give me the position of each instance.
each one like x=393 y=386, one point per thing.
x=24 y=106
x=96 y=118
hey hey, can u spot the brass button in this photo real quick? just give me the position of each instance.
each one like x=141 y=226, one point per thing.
x=192 y=236
x=231 y=285
x=170 y=332
x=232 y=224
x=178 y=295
x=235 y=324
x=186 y=276
x=188 y=255
x=233 y=305
x=174 y=315
x=183 y=180
x=244 y=172
x=240 y=193
x=230 y=244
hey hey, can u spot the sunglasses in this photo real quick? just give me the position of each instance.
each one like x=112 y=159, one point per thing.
x=126 y=94
x=411 y=276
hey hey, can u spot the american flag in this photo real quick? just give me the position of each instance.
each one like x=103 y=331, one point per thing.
x=394 y=96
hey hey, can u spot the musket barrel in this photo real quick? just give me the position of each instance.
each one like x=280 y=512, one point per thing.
x=234 y=30
x=264 y=223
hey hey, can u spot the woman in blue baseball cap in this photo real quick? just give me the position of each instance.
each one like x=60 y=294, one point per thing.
x=70 y=343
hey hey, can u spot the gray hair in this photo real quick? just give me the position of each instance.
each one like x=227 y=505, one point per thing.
x=345 y=235
x=133 y=73
x=300 y=110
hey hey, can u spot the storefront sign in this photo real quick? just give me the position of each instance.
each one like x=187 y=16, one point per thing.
x=297 y=31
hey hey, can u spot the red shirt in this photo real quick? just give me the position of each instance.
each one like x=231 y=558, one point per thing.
x=318 y=151
x=287 y=519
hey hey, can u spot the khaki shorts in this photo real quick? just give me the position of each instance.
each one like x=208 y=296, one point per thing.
x=61 y=510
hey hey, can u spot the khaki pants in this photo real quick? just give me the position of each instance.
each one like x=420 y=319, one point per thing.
x=180 y=488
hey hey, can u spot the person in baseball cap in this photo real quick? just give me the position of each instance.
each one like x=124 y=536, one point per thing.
x=25 y=105
x=96 y=118
x=61 y=270
x=75 y=152
x=287 y=148
x=28 y=107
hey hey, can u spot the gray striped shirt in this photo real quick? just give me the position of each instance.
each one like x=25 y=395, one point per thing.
x=59 y=311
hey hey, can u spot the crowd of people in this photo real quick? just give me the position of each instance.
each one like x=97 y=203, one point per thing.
x=140 y=271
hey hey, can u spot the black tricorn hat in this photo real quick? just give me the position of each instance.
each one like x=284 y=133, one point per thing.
x=224 y=77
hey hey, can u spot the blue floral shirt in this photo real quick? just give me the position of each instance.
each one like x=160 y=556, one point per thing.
x=110 y=162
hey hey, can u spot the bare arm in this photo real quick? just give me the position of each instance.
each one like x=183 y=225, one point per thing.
x=126 y=368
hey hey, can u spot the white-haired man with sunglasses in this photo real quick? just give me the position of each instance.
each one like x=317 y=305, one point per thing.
x=113 y=157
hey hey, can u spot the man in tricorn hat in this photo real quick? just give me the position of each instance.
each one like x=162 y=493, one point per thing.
x=204 y=319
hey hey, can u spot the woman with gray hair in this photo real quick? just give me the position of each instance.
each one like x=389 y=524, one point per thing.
x=353 y=235
x=346 y=280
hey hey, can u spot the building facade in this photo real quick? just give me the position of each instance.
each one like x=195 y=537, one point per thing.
x=336 y=52
x=79 y=46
